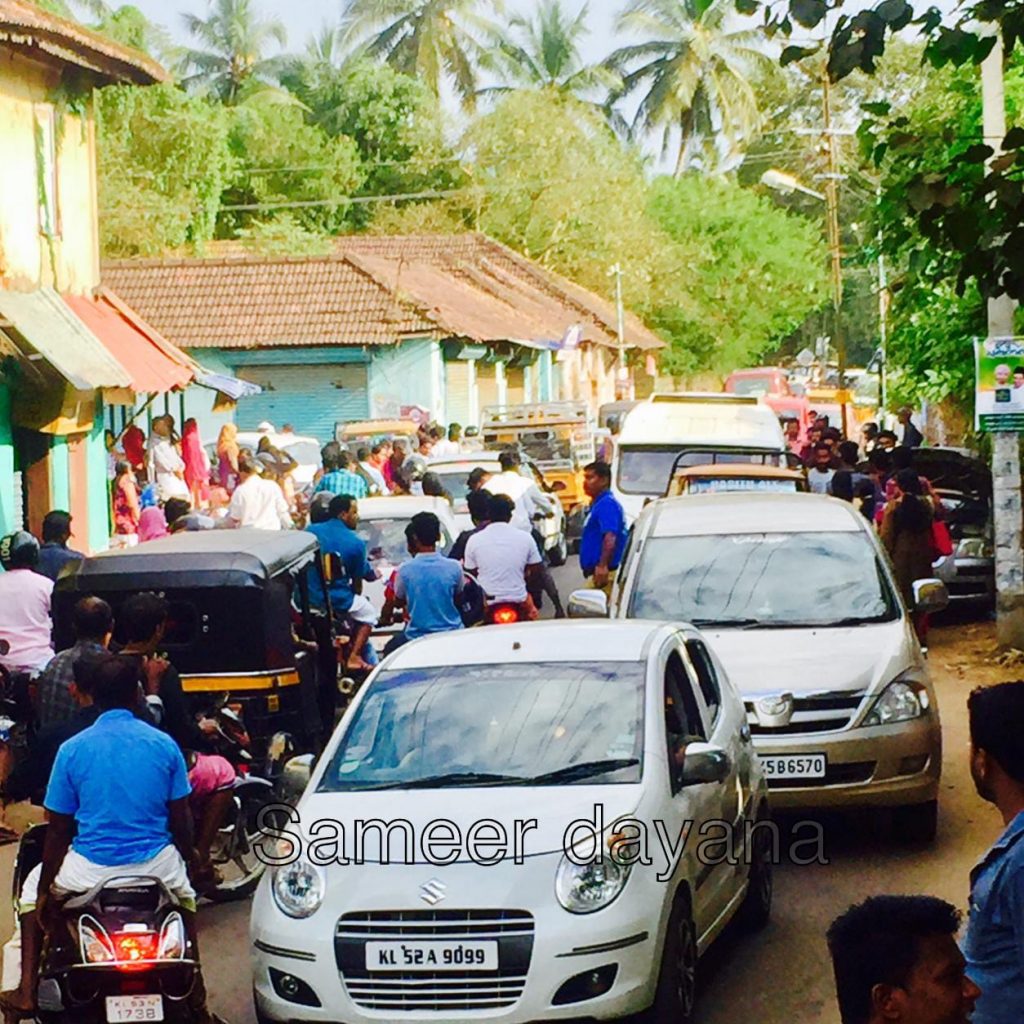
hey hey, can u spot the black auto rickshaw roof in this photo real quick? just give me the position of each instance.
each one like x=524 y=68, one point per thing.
x=199 y=559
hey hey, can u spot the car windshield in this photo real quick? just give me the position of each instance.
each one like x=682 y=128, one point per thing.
x=648 y=470
x=385 y=539
x=557 y=723
x=455 y=477
x=751 y=387
x=763 y=580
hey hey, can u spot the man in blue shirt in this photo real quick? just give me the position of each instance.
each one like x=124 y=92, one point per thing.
x=429 y=585
x=995 y=932
x=345 y=557
x=55 y=555
x=117 y=805
x=604 y=533
x=339 y=478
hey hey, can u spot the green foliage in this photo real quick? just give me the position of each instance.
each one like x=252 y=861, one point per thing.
x=163 y=165
x=284 y=236
x=751 y=272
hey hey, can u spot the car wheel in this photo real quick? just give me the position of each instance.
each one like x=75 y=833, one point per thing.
x=676 y=994
x=559 y=554
x=756 y=911
x=917 y=823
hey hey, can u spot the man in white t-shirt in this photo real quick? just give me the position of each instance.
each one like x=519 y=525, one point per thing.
x=24 y=606
x=451 y=446
x=502 y=558
x=819 y=476
x=528 y=498
x=257 y=504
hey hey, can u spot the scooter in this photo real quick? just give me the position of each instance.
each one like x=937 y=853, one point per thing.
x=120 y=952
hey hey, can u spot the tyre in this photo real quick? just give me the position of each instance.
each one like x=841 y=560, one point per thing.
x=234 y=854
x=756 y=910
x=676 y=994
x=917 y=823
x=559 y=554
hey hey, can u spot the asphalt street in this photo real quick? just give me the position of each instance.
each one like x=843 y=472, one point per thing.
x=780 y=975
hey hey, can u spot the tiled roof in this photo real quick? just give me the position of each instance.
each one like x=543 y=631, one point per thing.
x=257 y=303
x=374 y=291
x=30 y=29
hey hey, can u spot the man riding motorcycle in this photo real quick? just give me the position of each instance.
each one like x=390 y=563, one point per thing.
x=117 y=805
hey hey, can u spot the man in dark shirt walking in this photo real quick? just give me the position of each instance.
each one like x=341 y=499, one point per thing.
x=604 y=533
x=55 y=555
x=995 y=930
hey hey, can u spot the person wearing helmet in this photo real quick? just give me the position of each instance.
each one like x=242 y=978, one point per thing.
x=414 y=469
x=25 y=597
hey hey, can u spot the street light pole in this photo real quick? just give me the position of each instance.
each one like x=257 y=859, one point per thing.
x=835 y=240
x=622 y=375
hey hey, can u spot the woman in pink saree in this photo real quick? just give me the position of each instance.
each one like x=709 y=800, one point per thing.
x=197 y=464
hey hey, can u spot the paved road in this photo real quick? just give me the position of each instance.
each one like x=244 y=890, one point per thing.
x=780 y=976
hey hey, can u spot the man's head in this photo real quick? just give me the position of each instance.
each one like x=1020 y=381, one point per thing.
x=423 y=533
x=896 y=959
x=509 y=461
x=791 y=428
x=399 y=450
x=83 y=676
x=345 y=508
x=1018 y=377
x=455 y=432
x=143 y=619
x=996 y=715
x=832 y=437
x=1002 y=375
x=115 y=684
x=426 y=447
x=868 y=432
x=597 y=478
x=880 y=462
x=887 y=439
x=502 y=508
x=814 y=435
x=287 y=429
x=56 y=528
x=479 y=504
x=175 y=509
x=849 y=452
x=93 y=620
x=266 y=427
x=822 y=456
x=905 y=414
x=344 y=459
x=161 y=426
x=902 y=458
x=248 y=466
x=478 y=479
x=436 y=434
x=320 y=507
x=329 y=456
x=362 y=454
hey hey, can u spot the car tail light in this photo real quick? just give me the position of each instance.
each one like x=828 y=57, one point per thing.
x=506 y=616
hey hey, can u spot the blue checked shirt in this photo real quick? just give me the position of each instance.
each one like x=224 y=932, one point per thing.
x=342 y=481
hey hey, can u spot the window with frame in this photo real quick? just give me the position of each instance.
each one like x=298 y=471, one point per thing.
x=707 y=677
x=46 y=169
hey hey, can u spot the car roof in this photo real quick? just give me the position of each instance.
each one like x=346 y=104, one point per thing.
x=617 y=641
x=741 y=471
x=703 y=419
x=725 y=514
x=403 y=507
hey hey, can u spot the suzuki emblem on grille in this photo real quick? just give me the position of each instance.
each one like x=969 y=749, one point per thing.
x=433 y=892
x=775 y=712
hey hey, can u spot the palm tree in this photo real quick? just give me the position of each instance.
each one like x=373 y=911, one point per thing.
x=543 y=52
x=235 y=40
x=433 y=40
x=696 y=74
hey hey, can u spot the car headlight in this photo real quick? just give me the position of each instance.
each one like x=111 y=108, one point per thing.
x=299 y=888
x=974 y=547
x=584 y=888
x=900 y=701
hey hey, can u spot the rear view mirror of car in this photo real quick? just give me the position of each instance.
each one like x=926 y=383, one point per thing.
x=930 y=596
x=295 y=777
x=704 y=763
x=588 y=604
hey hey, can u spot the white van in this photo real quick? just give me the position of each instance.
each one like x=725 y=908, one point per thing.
x=689 y=430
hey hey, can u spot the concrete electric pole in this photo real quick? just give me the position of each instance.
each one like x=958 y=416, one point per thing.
x=1006 y=477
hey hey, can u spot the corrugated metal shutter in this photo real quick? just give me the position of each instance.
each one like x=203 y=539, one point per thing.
x=515 y=382
x=313 y=399
x=458 y=402
x=19 y=502
x=487 y=385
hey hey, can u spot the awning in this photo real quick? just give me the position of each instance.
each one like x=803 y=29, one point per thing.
x=59 y=336
x=155 y=366
x=230 y=386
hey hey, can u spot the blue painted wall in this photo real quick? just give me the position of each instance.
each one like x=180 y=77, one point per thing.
x=407 y=374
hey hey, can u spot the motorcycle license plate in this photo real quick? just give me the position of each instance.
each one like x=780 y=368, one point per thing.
x=121 y=1009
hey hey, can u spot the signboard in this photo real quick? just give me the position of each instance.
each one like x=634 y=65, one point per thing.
x=999 y=387
x=727 y=485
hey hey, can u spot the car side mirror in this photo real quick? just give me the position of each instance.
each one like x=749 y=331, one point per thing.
x=704 y=763
x=930 y=596
x=588 y=604
x=295 y=777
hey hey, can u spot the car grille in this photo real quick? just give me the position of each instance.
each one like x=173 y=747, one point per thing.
x=438 y=991
x=835 y=775
x=815 y=713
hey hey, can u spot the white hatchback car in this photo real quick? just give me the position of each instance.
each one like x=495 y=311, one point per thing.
x=511 y=824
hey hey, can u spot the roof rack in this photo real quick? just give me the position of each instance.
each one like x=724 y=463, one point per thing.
x=699 y=398
x=535 y=414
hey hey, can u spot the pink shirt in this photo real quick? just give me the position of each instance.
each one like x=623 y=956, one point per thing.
x=25 y=618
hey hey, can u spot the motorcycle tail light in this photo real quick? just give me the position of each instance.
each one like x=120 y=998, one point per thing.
x=172 y=939
x=135 y=949
x=506 y=616
x=94 y=942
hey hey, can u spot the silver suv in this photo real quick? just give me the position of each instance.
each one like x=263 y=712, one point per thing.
x=797 y=598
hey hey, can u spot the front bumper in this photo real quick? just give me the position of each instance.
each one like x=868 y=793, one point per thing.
x=626 y=934
x=878 y=766
x=974 y=581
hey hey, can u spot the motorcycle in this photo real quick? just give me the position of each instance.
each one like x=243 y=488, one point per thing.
x=120 y=952
x=505 y=613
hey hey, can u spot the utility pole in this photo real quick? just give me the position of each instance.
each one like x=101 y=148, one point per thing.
x=1006 y=478
x=883 y=314
x=622 y=389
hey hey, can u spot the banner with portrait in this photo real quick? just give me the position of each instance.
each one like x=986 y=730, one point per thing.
x=999 y=384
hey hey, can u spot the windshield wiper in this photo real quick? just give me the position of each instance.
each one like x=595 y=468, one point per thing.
x=452 y=779
x=852 y=620
x=726 y=623
x=584 y=770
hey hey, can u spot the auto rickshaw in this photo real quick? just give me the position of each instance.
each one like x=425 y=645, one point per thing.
x=558 y=436
x=240 y=625
x=366 y=432
x=738 y=477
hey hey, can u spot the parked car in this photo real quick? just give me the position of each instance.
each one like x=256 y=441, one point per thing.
x=964 y=483
x=304 y=450
x=521 y=732
x=454 y=472
x=797 y=598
